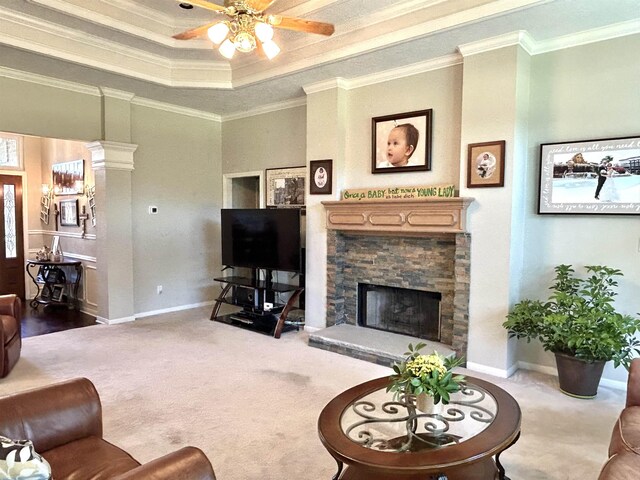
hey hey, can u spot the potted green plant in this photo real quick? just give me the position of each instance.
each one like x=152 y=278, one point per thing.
x=422 y=378
x=580 y=325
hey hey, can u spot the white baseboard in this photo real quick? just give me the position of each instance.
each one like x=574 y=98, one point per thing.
x=496 y=372
x=534 y=367
x=173 y=309
x=615 y=384
x=114 y=321
x=309 y=329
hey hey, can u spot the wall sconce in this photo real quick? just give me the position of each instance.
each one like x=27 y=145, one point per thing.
x=46 y=189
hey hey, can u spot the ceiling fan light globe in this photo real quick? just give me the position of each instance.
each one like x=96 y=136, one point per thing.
x=218 y=32
x=270 y=49
x=244 y=42
x=227 y=49
x=264 y=31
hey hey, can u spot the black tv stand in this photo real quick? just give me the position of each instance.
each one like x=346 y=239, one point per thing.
x=252 y=294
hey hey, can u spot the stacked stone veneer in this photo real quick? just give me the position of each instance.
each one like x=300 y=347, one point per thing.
x=434 y=263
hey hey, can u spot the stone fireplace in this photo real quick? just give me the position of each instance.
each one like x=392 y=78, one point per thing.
x=380 y=248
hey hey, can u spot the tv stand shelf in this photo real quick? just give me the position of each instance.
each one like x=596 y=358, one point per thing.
x=251 y=294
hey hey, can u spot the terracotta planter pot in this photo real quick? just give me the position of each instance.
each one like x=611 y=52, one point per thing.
x=578 y=378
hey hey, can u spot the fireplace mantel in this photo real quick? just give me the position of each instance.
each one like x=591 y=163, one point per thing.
x=400 y=216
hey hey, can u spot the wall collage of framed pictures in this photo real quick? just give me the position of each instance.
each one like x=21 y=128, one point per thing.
x=68 y=180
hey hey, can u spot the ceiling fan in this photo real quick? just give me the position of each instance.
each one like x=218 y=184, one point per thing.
x=248 y=27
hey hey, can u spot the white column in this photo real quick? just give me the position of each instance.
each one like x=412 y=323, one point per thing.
x=112 y=165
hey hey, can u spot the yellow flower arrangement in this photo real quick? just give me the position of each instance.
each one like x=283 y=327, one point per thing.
x=429 y=374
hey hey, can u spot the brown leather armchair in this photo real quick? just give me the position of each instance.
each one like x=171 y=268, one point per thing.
x=624 y=447
x=64 y=422
x=10 y=335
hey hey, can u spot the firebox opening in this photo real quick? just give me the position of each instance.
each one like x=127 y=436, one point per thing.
x=400 y=310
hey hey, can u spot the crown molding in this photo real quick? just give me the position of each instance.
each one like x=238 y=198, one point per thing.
x=49 y=81
x=609 y=32
x=385 y=76
x=520 y=37
x=33 y=34
x=155 y=26
x=104 y=91
x=117 y=94
x=330 y=84
x=168 y=107
x=272 y=107
x=406 y=71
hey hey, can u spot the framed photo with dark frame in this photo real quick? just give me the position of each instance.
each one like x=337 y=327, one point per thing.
x=594 y=177
x=485 y=164
x=401 y=142
x=285 y=187
x=69 y=213
x=320 y=177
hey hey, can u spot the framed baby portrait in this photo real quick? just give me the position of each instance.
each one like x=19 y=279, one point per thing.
x=401 y=142
x=593 y=177
x=320 y=173
x=485 y=164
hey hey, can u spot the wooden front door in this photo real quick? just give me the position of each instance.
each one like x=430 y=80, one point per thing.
x=11 y=236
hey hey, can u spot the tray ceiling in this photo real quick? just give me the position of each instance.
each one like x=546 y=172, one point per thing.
x=127 y=44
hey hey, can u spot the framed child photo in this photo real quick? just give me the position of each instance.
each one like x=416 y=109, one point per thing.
x=320 y=177
x=401 y=142
x=485 y=164
x=594 y=177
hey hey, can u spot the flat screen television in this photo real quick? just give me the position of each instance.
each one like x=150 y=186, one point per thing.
x=261 y=238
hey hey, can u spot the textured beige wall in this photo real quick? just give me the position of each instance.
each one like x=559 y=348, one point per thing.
x=33 y=109
x=582 y=93
x=494 y=108
x=270 y=140
x=439 y=90
x=178 y=169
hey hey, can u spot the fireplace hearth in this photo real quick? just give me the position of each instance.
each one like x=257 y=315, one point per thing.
x=400 y=310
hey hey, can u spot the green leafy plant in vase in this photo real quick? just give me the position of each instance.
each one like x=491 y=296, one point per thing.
x=421 y=377
x=580 y=325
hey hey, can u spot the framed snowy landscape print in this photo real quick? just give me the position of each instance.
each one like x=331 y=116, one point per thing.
x=599 y=176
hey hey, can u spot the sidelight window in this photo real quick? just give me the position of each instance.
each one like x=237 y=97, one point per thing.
x=11 y=250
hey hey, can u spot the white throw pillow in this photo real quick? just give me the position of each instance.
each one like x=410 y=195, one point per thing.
x=19 y=461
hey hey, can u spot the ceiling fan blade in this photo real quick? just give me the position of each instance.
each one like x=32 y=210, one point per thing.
x=194 y=32
x=206 y=5
x=301 y=25
x=260 y=5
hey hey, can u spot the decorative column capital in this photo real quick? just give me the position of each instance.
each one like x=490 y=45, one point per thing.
x=111 y=155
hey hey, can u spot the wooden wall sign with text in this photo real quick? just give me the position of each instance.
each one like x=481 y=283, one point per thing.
x=394 y=193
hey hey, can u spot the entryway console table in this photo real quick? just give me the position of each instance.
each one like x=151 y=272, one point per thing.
x=57 y=282
x=260 y=309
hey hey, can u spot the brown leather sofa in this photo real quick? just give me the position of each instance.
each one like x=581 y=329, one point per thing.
x=624 y=447
x=64 y=422
x=10 y=335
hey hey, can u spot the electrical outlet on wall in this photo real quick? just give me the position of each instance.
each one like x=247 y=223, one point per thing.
x=159 y=289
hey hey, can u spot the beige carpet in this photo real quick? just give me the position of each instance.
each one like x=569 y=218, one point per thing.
x=252 y=402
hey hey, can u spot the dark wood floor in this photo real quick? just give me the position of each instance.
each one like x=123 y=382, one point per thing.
x=52 y=319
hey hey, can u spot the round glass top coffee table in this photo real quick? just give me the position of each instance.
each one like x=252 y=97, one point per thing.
x=382 y=438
